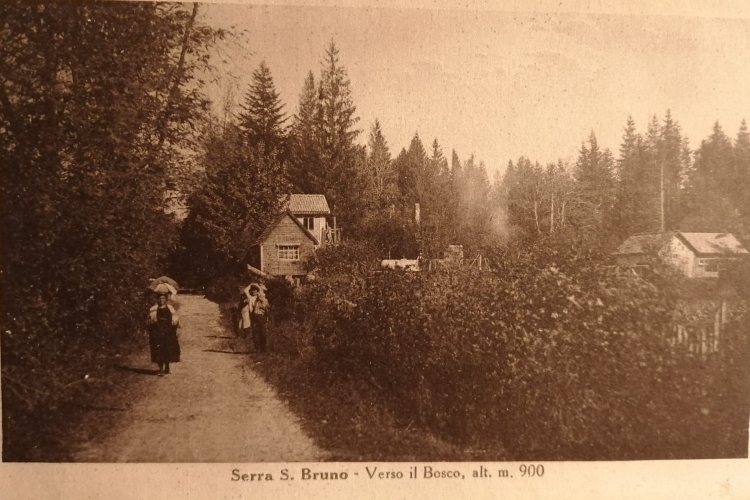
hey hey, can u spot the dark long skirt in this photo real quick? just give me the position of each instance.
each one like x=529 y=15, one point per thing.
x=165 y=348
x=260 y=333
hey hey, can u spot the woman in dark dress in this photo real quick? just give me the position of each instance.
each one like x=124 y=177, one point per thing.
x=163 y=323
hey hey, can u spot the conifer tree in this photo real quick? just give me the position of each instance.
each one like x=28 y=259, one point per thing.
x=411 y=168
x=438 y=163
x=441 y=197
x=473 y=209
x=710 y=204
x=380 y=167
x=262 y=119
x=636 y=197
x=670 y=160
x=456 y=167
x=305 y=165
x=453 y=197
x=337 y=133
x=326 y=159
x=594 y=173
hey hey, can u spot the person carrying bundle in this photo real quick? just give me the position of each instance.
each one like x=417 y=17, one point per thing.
x=257 y=310
x=163 y=324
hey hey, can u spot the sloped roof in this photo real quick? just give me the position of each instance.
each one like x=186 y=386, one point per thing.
x=309 y=204
x=267 y=232
x=699 y=243
x=714 y=243
x=643 y=243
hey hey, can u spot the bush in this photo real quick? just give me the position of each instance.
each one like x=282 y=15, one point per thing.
x=553 y=355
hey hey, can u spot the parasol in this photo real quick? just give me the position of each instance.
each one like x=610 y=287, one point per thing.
x=165 y=288
x=167 y=280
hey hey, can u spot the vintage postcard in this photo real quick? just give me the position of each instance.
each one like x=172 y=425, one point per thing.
x=375 y=249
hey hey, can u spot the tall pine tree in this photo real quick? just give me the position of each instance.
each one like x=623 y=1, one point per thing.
x=637 y=196
x=380 y=168
x=672 y=167
x=594 y=173
x=262 y=119
x=325 y=159
x=336 y=128
x=305 y=165
x=711 y=183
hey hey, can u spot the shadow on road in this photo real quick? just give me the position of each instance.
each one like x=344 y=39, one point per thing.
x=141 y=371
x=218 y=337
x=224 y=352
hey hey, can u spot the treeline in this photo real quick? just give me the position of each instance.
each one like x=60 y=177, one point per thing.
x=98 y=105
x=655 y=184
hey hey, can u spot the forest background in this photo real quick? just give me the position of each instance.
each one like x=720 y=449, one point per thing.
x=116 y=168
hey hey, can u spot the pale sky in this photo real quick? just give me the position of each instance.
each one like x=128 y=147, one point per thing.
x=503 y=84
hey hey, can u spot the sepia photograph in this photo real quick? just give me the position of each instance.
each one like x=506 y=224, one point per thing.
x=372 y=234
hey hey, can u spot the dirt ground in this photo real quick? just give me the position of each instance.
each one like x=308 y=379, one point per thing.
x=213 y=407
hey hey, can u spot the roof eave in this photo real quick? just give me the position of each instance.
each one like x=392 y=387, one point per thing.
x=288 y=213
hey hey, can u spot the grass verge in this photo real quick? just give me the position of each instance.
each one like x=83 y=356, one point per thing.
x=347 y=418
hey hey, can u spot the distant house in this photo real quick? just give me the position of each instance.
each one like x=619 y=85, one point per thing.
x=283 y=248
x=696 y=255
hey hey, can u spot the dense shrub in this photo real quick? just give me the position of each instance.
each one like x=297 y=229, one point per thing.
x=351 y=257
x=554 y=356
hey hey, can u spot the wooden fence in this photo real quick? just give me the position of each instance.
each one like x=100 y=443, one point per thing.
x=703 y=335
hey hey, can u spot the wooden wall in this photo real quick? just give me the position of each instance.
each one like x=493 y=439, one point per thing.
x=681 y=257
x=286 y=232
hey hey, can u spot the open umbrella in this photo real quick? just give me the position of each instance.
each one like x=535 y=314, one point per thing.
x=165 y=279
x=165 y=288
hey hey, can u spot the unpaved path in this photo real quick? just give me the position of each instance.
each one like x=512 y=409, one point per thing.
x=212 y=408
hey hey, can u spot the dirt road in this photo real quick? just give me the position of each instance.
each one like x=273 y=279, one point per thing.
x=212 y=408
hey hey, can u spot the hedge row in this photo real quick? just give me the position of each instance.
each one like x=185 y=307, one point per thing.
x=554 y=360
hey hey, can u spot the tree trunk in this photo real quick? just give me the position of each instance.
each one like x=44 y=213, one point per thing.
x=177 y=77
x=552 y=214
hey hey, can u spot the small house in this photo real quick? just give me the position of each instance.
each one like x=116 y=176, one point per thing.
x=283 y=248
x=696 y=255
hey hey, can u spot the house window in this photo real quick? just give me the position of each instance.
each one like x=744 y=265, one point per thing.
x=309 y=223
x=709 y=265
x=288 y=252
